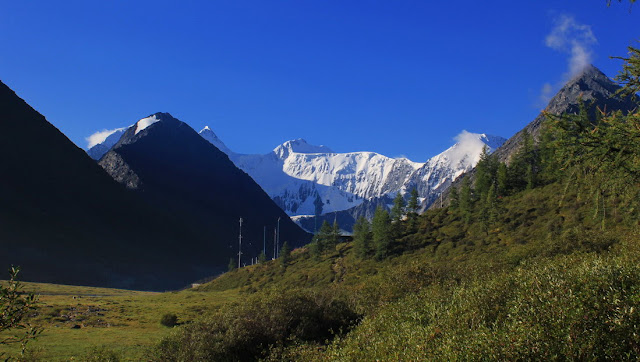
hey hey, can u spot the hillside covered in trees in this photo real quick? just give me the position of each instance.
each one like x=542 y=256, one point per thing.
x=537 y=259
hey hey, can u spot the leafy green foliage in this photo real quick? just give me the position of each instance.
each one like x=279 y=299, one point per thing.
x=253 y=328
x=169 y=320
x=518 y=267
x=579 y=307
x=15 y=306
x=102 y=354
x=630 y=75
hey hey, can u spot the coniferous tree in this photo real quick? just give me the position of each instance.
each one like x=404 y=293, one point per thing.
x=412 y=208
x=502 y=180
x=483 y=173
x=397 y=211
x=466 y=199
x=413 y=204
x=490 y=209
x=530 y=177
x=382 y=232
x=314 y=249
x=454 y=203
x=324 y=238
x=550 y=169
x=362 y=238
x=285 y=255
x=334 y=237
x=524 y=165
x=262 y=258
x=232 y=265
x=629 y=77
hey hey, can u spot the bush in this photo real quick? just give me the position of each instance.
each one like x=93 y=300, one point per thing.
x=102 y=354
x=15 y=307
x=169 y=320
x=578 y=307
x=248 y=331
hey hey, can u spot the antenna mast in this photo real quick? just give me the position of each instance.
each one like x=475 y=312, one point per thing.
x=240 y=244
x=278 y=236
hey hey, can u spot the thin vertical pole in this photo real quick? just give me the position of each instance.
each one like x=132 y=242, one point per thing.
x=240 y=244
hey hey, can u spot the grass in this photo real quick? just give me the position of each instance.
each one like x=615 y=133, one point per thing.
x=76 y=319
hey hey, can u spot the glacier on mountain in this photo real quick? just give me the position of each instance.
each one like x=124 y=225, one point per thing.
x=305 y=179
x=297 y=175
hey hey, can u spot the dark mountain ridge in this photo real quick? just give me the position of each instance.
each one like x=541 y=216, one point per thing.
x=64 y=220
x=176 y=170
x=591 y=86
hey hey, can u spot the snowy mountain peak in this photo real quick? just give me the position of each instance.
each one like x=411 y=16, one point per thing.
x=465 y=153
x=210 y=136
x=146 y=122
x=299 y=145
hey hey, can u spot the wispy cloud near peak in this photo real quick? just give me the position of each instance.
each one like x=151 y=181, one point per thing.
x=575 y=39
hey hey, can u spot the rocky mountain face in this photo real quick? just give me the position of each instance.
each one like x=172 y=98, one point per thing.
x=304 y=179
x=430 y=179
x=170 y=166
x=591 y=86
x=64 y=220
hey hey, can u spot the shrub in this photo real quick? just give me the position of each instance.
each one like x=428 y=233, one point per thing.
x=102 y=354
x=248 y=330
x=578 y=307
x=169 y=320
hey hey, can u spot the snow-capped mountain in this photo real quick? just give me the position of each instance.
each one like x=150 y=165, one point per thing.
x=438 y=172
x=305 y=179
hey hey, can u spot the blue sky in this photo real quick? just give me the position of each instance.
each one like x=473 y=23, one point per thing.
x=395 y=77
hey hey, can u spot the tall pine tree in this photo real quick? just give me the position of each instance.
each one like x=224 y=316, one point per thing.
x=382 y=232
x=412 y=211
x=285 y=255
x=362 y=238
x=466 y=199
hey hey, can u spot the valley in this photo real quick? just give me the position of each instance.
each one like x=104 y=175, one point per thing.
x=381 y=238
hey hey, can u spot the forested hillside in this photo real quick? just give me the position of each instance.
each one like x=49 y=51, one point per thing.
x=534 y=260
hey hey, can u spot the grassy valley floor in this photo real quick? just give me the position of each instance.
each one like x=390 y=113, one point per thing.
x=78 y=320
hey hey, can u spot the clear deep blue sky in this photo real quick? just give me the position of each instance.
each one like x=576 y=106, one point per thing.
x=395 y=77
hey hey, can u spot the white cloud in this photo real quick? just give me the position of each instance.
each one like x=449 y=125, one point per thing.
x=574 y=39
x=467 y=144
x=101 y=136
